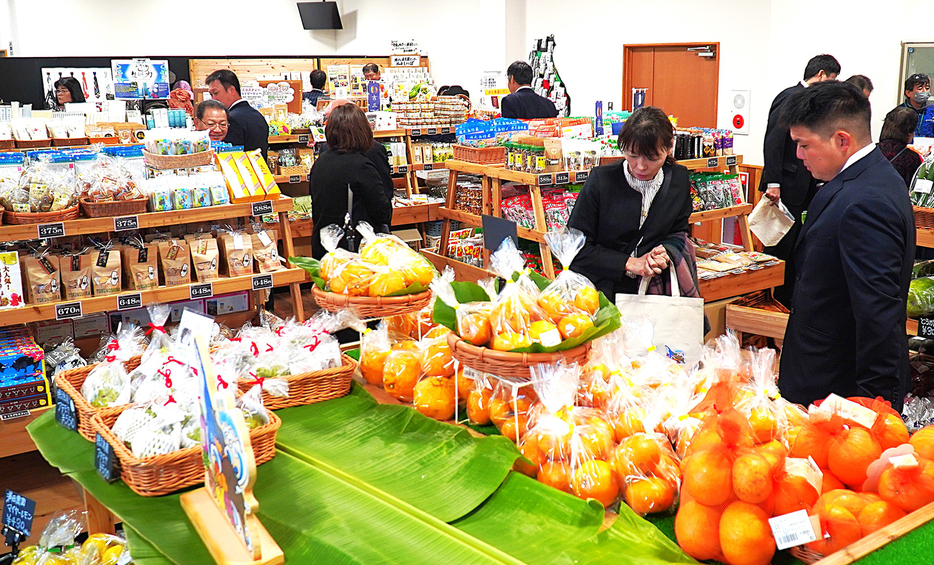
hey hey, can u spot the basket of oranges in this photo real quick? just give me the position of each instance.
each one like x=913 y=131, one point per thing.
x=531 y=320
x=386 y=278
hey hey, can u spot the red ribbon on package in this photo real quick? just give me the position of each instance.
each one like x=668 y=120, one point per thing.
x=221 y=382
x=155 y=327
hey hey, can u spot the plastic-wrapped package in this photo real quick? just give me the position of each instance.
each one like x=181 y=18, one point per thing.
x=511 y=407
x=479 y=400
x=59 y=533
x=154 y=429
x=435 y=393
x=570 y=294
x=389 y=251
x=65 y=356
x=108 y=384
x=757 y=399
x=516 y=308
x=401 y=370
x=251 y=404
x=336 y=256
x=473 y=318
x=921 y=297
x=374 y=348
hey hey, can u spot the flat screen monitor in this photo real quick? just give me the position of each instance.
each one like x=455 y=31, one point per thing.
x=320 y=15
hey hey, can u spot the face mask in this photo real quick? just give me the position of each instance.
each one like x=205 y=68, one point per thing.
x=922 y=97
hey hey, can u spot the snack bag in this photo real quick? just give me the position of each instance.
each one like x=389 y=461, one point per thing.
x=175 y=257
x=140 y=264
x=265 y=251
x=516 y=308
x=206 y=259
x=106 y=273
x=42 y=277
x=76 y=274
x=570 y=300
x=236 y=250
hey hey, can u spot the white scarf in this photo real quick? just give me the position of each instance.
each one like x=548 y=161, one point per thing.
x=647 y=188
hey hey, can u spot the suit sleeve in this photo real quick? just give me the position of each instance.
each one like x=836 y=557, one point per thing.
x=236 y=133
x=368 y=186
x=508 y=107
x=594 y=260
x=872 y=247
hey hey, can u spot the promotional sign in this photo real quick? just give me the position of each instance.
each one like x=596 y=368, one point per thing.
x=140 y=78
x=96 y=83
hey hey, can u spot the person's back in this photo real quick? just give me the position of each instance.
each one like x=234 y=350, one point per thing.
x=523 y=103
x=897 y=132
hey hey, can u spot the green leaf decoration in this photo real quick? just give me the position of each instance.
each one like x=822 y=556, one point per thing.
x=464 y=292
x=143 y=552
x=413 y=288
x=312 y=267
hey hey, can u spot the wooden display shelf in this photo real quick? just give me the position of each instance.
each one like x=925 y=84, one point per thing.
x=719 y=214
x=290 y=179
x=224 y=285
x=925 y=238
x=13 y=436
x=379 y=134
x=462 y=271
x=477 y=221
x=85 y=226
x=416 y=131
x=757 y=321
x=743 y=283
x=289 y=138
x=401 y=216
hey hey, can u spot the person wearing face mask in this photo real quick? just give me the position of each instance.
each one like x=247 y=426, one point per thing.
x=917 y=93
x=634 y=213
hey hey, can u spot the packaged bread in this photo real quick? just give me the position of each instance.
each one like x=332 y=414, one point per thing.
x=175 y=258
x=106 y=273
x=41 y=273
x=140 y=264
x=265 y=251
x=76 y=274
x=206 y=259
x=236 y=250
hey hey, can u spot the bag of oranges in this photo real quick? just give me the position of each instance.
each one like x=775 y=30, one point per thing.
x=479 y=398
x=571 y=301
x=402 y=369
x=336 y=256
x=515 y=310
x=757 y=399
x=386 y=250
x=511 y=407
x=472 y=318
x=374 y=348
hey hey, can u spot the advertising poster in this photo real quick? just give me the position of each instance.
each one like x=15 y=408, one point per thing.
x=140 y=78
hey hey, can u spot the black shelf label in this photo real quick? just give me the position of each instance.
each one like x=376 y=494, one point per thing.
x=124 y=223
x=263 y=208
x=18 y=512
x=926 y=327
x=129 y=301
x=416 y=132
x=432 y=131
x=546 y=179
x=731 y=160
x=712 y=162
x=295 y=179
x=51 y=230
x=105 y=460
x=445 y=131
x=68 y=311
x=205 y=290
x=403 y=168
x=65 y=410
x=562 y=178
x=429 y=166
x=262 y=282
x=581 y=176
x=303 y=138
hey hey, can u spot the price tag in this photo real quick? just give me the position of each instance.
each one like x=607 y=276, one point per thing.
x=926 y=327
x=129 y=301
x=850 y=410
x=792 y=529
x=18 y=512
x=731 y=160
x=432 y=131
x=429 y=166
x=68 y=311
x=204 y=290
x=124 y=223
x=416 y=132
x=907 y=461
x=264 y=207
x=261 y=282
x=105 y=460
x=303 y=138
x=581 y=176
x=712 y=162
x=51 y=230
x=403 y=169
x=14 y=415
x=445 y=131
x=65 y=410
x=545 y=180
x=562 y=178
x=295 y=179
x=923 y=186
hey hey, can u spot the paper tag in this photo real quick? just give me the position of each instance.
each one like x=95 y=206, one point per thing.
x=923 y=186
x=907 y=461
x=792 y=529
x=806 y=468
x=850 y=410
x=264 y=238
x=550 y=338
x=143 y=255
x=238 y=241
x=46 y=265
x=471 y=373
x=102 y=258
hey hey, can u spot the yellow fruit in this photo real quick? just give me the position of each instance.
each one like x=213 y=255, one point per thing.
x=434 y=397
x=386 y=283
x=587 y=299
x=354 y=279
x=400 y=373
x=762 y=420
x=112 y=555
x=541 y=331
x=745 y=535
x=555 y=306
x=574 y=325
x=510 y=340
x=331 y=263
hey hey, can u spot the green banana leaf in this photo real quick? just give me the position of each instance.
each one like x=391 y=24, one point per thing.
x=313 y=268
x=143 y=552
x=441 y=469
x=465 y=292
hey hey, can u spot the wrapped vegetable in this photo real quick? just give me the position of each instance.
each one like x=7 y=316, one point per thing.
x=57 y=543
x=108 y=384
x=251 y=404
x=154 y=429
x=921 y=297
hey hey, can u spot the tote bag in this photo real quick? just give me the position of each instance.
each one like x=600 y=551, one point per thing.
x=679 y=320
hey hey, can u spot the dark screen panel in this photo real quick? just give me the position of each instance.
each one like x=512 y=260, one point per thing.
x=320 y=15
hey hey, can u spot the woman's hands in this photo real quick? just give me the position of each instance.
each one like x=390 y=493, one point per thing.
x=650 y=264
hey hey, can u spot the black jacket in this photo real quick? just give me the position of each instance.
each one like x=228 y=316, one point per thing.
x=524 y=104
x=846 y=332
x=330 y=176
x=608 y=210
x=782 y=165
x=380 y=159
x=247 y=128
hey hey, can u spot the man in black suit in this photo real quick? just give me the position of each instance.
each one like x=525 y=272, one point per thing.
x=784 y=175
x=247 y=127
x=846 y=332
x=523 y=103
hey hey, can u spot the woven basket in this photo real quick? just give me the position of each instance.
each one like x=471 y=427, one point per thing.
x=40 y=217
x=71 y=380
x=924 y=217
x=165 y=474
x=805 y=554
x=483 y=155
x=294 y=170
x=179 y=161
x=113 y=208
x=371 y=307
x=69 y=141
x=506 y=365
x=308 y=388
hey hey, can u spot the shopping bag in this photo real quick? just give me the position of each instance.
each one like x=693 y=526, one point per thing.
x=770 y=223
x=679 y=320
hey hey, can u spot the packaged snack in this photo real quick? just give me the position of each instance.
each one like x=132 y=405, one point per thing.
x=43 y=282
x=236 y=250
x=76 y=274
x=265 y=251
x=175 y=257
x=106 y=272
x=206 y=259
x=140 y=264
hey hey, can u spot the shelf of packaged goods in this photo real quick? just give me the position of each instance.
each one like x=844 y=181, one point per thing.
x=401 y=216
x=415 y=131
x=15 y=439
x=748 y=281
x=295 y=138
x=290 y=179
x=462 y=271
x=224 y=285
x=925 y=238
x=710 y=215
x=712 y=162
x=476 y=221
x=82 y=226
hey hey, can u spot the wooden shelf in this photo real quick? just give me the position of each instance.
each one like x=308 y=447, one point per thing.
x=462 y=271
x=290 y=179
x=744 y=283
x=13 y=436
x=224 y=285
x=416 y=131
x=379 y=134
x=756 y=321
x=710 y=215
x=925 y=238
x=289 y=138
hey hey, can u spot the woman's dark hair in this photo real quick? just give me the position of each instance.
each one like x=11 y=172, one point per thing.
x=73 y=86
x=347 y=129
x=899 y=124
x=648 y=132
x=208 y=104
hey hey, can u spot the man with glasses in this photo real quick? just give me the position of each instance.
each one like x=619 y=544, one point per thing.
x=917 y=93
x=211 y=115
x=246 y=126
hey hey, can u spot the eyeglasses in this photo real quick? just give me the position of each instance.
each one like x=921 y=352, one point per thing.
x=62 y=91
x=216 y=125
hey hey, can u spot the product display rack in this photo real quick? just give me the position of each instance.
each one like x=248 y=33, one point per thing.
x=401 y=216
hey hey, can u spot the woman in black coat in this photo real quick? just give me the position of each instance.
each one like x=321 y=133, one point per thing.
x=634 y=212
x=345 y=168
x=898 y=130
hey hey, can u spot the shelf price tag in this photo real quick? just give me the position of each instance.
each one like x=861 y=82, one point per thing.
x=581 y=176
x=68 y=311
x=262 y=282
x=264 y=207
x=295 y=179
x=65 y=410
x=18 y=512
x=429 y=166
x=926 y=327
x=432 y=131
x=546 y=179
x=445 y=131
x=403 y=169
x=303 y=138
x=416 y=132
x=794 y=528
x=731 y=160
x=124 y=223
x=51 y=230
x=562 y=178
x=129 y=301
x=712 y=162
x=14 y=415
x=105 y=460
x=198 y=291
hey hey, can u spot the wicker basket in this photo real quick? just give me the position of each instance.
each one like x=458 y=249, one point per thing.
x=71 y=380
x=40 y=217
x=113 y=208
x=371 y=307
x=179 y=161
x=924 y=217
x=69 y=141
x=308 y=388
x=482 y=155
x=506 y=365
x=165 y=474
x=295 y=170
x=805 y=554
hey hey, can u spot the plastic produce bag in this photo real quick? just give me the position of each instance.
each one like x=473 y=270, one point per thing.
x=479 y=398
x=570 y=293
x=473 y=318
x=511 y=408
x=921 y=297
x=251 y=404
x=56 y=542
x=516 y=307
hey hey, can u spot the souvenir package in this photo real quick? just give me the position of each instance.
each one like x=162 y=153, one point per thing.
x=106 y=272
x=76 y=274
x=175 y=258
x=206 y=259
x=374 y=348
x=159 y=193
x=174 y=141
x=42 y=276
x=108 y=384
x=11 y=280
x=140 y=264
x=570 y=300
x=146 y=381
x=65 y=356
x=265 y=251
x=236 y=250
x=109 y=180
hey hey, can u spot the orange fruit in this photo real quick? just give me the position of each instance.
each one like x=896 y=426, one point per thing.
x=475 y=327
x=890 y=431
x=556 y=445
x=851 y=452
x=511 y=417
x=708 y=476
x=464 y=385
x=650 y=495
x=437 y=360
x=829 y=482
x=593 y=392
x=923 y=442
x=386 y=282
x=587 y=299
x=332 y=262
x=704 y=439
x=629 y=422
x=554 y=305
x=510 y=340
x=908 y=488
x=764 y=426
x=405 y=345
x=774 y=452
x=371 y=365
x=437 y=332
x=574 y=325
x=400 y=374
x=511 y=315
x=752 y=478
x=697 y=529
x=478 y=406
x=529 y=449
x=877 y=515
x=842 y=527
x=353 y=279
x=852 y=501
x=434 y=397
x=792 y=493
x=745 y=535
x=595 y=479
x=637 y=456
x=813 y=442
x=556 y=474
x=596 y=438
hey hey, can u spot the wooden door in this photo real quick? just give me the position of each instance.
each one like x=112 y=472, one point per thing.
x=679 y=79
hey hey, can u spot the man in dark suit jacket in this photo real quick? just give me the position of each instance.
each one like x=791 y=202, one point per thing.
x=247 y=127
x=784 y=175
x=846 y=332
x=523 y=103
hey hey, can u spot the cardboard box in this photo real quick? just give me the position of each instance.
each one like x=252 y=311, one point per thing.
x=411 y=237
x=179 y=307
x=265 y=176
x=235 y=185
x=52 y=331
x=91 y=325
x=11 y=281
x=228 y=303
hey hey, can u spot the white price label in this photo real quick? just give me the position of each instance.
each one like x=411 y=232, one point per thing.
x=850 y=410
x=792 y=529
x=550 y=338
x=924 y=186
x=238 y=241
x=907 y=461
x=264 y=238
x=806 y=468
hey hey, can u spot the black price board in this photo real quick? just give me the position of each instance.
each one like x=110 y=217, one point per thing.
x=204 y=290
x=263 y=208
x=65 y=410
x=18 y=512
x=926 y=327
x=124 y=223
x=416 y=132
x=562 y=178
x=445 y=131
x=731 y=160
x=432 y=131
x=712 y=162
x=129 y=301
x=495 y=230
x=105 y=460
x=303 y=138
x=262 y=282
x=581 y=176
x=546 y=179
x=68 y=311
x=403 y=169
x=293 y=179
x=429 y=166
x=51 y=230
